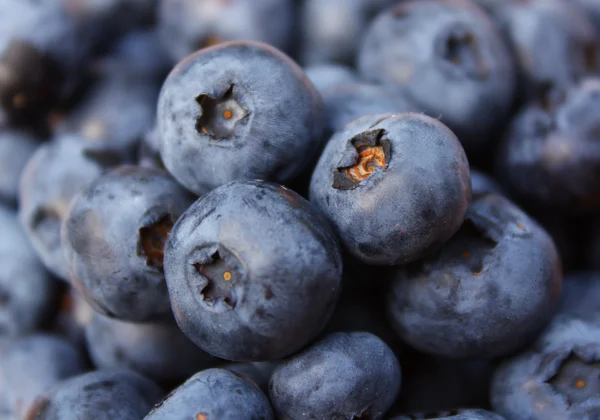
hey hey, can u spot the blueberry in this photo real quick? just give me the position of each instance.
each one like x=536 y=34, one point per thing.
x=56 y=172
x=568 y=330
x=112 y=394
x=466 y=414
x=346 y=102
x=240 y=110
x=570 y=47
x=559 y=377
x=253 y=271
x=486 y=293
x=189 y=25
x=113 y=237
x=395 y=186
x=30 y=365
x=344 y=376
x=159 y=352
x=115 y=116
x=26 y=289
x=550 y=155
x=451 y=60
x=581 y=295
x=482 y=183
x=331 y=30
x=16 y=147
x=214 y=394
x=325 y=76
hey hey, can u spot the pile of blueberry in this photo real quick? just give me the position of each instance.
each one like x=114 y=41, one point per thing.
x=195 y=227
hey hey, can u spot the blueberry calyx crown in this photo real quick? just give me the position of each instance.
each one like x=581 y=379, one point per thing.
x=220 y=273
x=475 y=245
x=29 y=81
x=577 y=380
x=460 y=48
x=219 y=115
x=372 y=150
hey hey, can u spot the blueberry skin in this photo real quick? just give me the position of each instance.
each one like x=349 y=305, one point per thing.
x=347 y=102
x=16 y=148
x=482 y=183
x=325 y=76
x=111 y=394
x=550 y=155
x=139 y=54
x=113 y=238
x=466 y=414
x=5 y=410
x=569 y=37
x=56 y=172
x=409 y=204
x=486 y=293
x=214 y=394
x=189 y=25
x=159 y=352
x=31 y=364
x=450 y=59
x=556 y=378
x=580 y=295
x=26 y=290
x=343 y=376
x=115 y=115
x=270 y=125
x=237 y=259
x=331 y=30
x=114 y=18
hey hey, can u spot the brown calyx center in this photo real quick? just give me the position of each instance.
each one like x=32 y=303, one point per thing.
x=461 y=49
x=372 y=150
x=153 y=240
x=220 y=115
x=369 y=158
